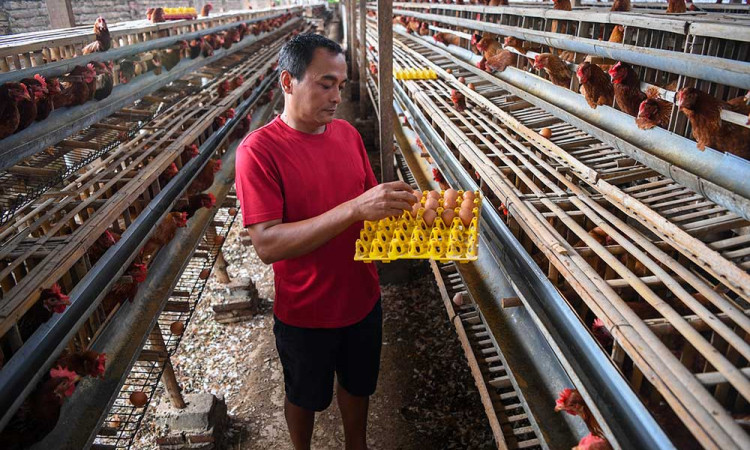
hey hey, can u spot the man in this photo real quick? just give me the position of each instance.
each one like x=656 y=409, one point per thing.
x=305 y=185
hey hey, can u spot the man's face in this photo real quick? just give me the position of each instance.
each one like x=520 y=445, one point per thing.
x=315 y=98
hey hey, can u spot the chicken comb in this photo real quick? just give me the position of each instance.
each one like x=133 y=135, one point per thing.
x=597 y=324
x=41 y=80
x=562 y=399
x=63 y=372
x=217 y=165
x=56 y=290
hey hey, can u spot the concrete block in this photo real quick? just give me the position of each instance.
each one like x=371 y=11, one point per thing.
x=204 y=412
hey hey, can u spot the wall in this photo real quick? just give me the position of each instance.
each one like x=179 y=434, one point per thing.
x=20 y=16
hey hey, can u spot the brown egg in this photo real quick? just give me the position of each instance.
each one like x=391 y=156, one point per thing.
x=545 y=133
x=462 y=80
x=449 y=71
x=418 y=195
x=448 y=216
x=469 y=194
x=177 y=328
x=471 y=86
x=219 y=240
x=431 y=203
x=450 y=203
x=468 y=203
x=433 y=194
x=115 y=422
x=204 y=274
x=450 y=194
x=415 y=208
x=466 y=215
x=138 y=399
x=232 y=212
x=458 y=299
x=429 y=216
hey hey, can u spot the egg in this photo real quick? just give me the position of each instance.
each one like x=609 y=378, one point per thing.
x=466 y=215
x=431 y=203
x=472 y=87
x=219 y=240
x=232 y=212
x=138 y=399
x=469 y=194
x=433 y=194
x=417 y=195
x=415 y=208
x=450 y=203
x=204 y=274
x=448 y=216
x=458 y=299
x=429 y=216
x=462 y=80
x=467 y=203
x=546 y=133
x=450 y=193
x=449 y=71
x=177 y=328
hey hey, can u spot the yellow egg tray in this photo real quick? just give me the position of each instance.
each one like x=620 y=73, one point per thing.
x=409 y=237
x=415 y=74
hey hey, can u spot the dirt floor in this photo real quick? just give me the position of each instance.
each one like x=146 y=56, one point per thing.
x=426 y=398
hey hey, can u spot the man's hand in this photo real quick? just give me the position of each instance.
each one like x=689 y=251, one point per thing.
x=383 y=200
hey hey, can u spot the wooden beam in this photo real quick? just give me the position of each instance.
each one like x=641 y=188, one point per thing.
x=385 y=91
x=60 y=14
x=353 y=46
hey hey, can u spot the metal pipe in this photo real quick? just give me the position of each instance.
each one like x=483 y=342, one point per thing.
x=621 y=410
x=64 y=122
x=710 y=68
x=721 y=177
x=65 y=66
x=24 y=370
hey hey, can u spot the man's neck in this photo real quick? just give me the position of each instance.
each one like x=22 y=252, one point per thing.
x=301 y=125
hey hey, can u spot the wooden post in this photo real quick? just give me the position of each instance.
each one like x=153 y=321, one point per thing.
x=353 y=46
x=385 y=91
x=60 y=14
x=168 y=377
x=362 y=59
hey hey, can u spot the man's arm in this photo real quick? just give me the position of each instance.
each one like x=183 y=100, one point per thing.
x=275 y=241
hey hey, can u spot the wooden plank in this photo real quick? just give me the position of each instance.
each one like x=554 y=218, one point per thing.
x=60 y=13
x=385 y=89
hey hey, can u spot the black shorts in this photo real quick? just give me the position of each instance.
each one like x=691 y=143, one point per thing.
x=310 y=357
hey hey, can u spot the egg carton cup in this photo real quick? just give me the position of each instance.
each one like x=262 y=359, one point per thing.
x=409 y=236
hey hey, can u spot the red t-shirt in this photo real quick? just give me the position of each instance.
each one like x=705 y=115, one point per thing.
x=282 y=173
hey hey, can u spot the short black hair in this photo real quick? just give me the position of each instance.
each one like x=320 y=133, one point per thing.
x=295 y=56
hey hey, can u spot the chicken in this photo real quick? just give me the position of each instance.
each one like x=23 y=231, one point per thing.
x=488 y=46
x=172 y=56
x=571 y=401
x=215 y=41
x=205 y=178
x=621 y=5
x=157 y=16
x=86 y=363
x=501 y=61
x=373 y=69
x=168 y=174
x=206 y=9
x=83 y=84
x=242 y=128
x=447 y=38
x=104 y=80
x=190 y=152
x=438 y=178
x=51 y=301
x=424 y=29
x=196 y=202
x=39 y=413
x=599 y=235
x=164 y=233
x=243 y=30
x=224 y=88
x=125 y=289
x=515 y=43
x=676 y=6
x=195 y=48
x=592 y=442
x=628 y=95
x=704 y=112
x=556 y=69
x=103 y=41
x=400 y=20
x=459 y=100
x=27 y=108
x=600 y=332
x=617 y=34
x=596 y=86
x=149 y=13
x=229 y=37
x=653 y=111
x=413 y=26
x=108 y=239
x=44 y=92
x=562 y=5
x=498 y=3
